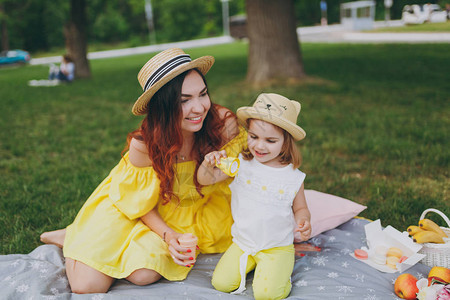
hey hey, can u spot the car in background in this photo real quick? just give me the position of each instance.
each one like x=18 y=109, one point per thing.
x=419 y=14
x=14 y=57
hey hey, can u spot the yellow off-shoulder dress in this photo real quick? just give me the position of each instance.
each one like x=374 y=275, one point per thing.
x=108 y=235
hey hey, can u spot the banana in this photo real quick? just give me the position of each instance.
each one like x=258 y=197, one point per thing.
x=427 y=237
x=427 y=224
x=412 y=230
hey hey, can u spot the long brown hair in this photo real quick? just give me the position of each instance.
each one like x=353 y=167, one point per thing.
x=161 y=132
x=289 y=153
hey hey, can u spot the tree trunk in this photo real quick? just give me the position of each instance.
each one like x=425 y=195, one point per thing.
x=4 y=28
x=274 y=52
x=76 y=41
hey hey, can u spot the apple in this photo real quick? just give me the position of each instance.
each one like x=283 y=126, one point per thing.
x=441 y=274
x=405 y=286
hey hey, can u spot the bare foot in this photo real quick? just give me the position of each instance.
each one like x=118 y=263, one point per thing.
x=55 y=237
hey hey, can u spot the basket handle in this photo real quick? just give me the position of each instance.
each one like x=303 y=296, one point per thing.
x=438 y=212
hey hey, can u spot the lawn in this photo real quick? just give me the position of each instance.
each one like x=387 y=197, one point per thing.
x=376 y=117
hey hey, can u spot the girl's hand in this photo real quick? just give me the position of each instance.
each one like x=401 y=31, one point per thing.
x=208 y=173
x=304 y=227
x=175 y=249
x=214 y=157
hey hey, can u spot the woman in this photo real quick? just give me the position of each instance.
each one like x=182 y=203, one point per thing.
x=154 y=185
x=65 y=72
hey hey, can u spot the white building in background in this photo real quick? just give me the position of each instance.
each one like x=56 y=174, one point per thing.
x=358 y=15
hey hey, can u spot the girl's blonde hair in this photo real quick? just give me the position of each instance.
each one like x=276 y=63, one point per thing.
x=289 y=153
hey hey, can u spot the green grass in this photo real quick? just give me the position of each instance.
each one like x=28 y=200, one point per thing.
x=376 y=117
x=426 y=27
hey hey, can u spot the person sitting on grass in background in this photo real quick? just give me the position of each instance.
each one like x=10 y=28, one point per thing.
x=65 y=72
x=267 y=200
x=130 y=227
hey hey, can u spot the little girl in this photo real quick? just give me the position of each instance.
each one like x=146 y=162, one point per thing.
x=268 y=202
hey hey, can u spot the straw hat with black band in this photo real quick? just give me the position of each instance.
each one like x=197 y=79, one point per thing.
x=162 y=68
x=275 y=109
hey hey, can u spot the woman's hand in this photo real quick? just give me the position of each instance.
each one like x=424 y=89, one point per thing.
x=182 y=258
x=154 y=221
x=304 y=227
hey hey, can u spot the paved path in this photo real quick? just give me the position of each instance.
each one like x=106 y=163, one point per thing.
x=313 y=34
x=339 y=34
x=141 y=50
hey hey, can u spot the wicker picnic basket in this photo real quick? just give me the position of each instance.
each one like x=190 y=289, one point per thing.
x=437 y=254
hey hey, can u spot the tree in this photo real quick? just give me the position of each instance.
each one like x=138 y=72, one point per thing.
x=76 y=39
x=274 y=51
x=4 y=28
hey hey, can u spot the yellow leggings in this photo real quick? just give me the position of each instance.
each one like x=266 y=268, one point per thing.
x=272 y=273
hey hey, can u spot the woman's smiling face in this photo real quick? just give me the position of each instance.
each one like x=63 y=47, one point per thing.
x=265 y=142
x=195 y=102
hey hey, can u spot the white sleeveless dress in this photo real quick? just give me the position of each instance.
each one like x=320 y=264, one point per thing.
x=261 y=205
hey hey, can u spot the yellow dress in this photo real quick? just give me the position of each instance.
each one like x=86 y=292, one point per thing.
x=108 y=235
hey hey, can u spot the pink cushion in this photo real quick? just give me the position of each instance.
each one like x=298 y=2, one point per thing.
x=329 y=211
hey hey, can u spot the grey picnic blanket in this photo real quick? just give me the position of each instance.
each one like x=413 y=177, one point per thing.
x=329 y=274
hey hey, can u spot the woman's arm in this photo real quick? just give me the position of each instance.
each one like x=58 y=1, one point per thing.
x=208 y=173
x=231 y=126
x=154 y=221
x=302 y=215
x=138 y=156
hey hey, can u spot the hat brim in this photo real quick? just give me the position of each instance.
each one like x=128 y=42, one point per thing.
x=203 y=64
x=245 y=113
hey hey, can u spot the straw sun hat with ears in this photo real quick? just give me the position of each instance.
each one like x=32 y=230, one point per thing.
x=162 y=68
x=274 y=109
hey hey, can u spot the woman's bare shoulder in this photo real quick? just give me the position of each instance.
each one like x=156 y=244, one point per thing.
x=231 y=126
x=138 y=154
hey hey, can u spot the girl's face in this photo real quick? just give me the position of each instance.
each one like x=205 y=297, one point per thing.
x=195 y=102
x=265 y=142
